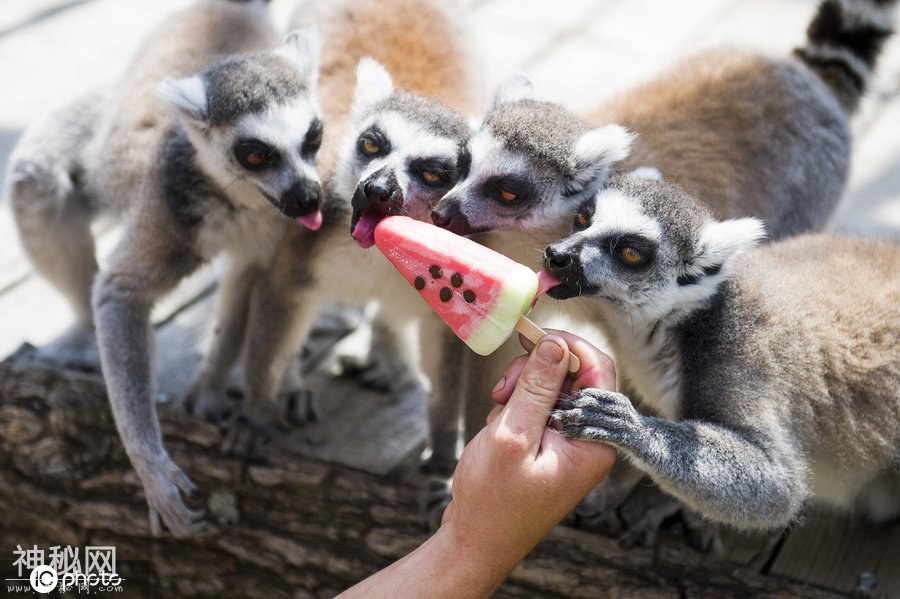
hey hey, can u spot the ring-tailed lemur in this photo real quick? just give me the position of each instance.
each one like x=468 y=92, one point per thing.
x=774 y=372
x=399 y=153
x=212 y=162
x=747 y=134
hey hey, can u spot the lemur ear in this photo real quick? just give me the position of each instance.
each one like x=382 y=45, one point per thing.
x=187 y=96
x=373 y=84
x=720 y=241
x=303 y=47
x=517 y=86
x=595 y=152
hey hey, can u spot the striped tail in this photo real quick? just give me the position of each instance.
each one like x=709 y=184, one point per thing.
x=843 y=42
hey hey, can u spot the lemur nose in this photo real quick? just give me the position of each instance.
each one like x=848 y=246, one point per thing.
x=376 y=193
x=556 y=260
x=440 y=219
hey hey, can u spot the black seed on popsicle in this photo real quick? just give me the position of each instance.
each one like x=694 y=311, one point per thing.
x=435 y=271
x=456 y=280
x=469 y=296
x=419 y=283
x=446 y=294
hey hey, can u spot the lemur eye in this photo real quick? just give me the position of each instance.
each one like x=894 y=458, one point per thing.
x=430 y=177
x=582 y=221
x=507 y=196
x=254 y=155
x=369 y=146
x=631 y=256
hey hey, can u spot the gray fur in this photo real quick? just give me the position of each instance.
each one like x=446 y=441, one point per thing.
x=774 y=378
x=544 y=131
x=746 y=134
x=243 y=85
x=437 y=118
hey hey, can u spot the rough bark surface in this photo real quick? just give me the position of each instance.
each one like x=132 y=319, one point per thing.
x=290 y=527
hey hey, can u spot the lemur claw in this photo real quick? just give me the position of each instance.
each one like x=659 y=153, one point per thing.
x=164 y=487
x=596 y=415
x=248 y=434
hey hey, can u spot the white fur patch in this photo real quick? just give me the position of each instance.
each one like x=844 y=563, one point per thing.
x=373 y=84
x=616 y=213
x=490 y=158
x=515 y=87
x=187 y=96
x=646 y=172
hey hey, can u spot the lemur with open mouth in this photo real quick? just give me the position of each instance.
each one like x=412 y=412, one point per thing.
x=773 y=371
x=396 y=151
x=207 y=145
x=747 y=134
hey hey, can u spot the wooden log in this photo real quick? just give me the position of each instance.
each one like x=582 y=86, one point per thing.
x=291 y=526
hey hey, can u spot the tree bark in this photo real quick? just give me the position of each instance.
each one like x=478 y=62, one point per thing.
x=289 y=527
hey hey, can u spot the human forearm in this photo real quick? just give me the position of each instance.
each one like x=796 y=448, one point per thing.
x=446 y=565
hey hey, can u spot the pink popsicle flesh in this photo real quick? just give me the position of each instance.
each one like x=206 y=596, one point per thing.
x=479 y=293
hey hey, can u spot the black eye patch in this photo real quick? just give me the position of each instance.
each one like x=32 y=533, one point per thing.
x=463 y=161
x=508 y=190
x=255 y=155
x=373 y=143
x=313 y=140
x=584 y=216
x=433 y=172
x=632 y=252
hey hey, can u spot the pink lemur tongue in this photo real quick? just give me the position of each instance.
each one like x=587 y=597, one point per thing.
x=546 y=282
x=364 y=232
x=311 y=221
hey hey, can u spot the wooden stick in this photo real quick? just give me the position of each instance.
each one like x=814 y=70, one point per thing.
x=533 y=333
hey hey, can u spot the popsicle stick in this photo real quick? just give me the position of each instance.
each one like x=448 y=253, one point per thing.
x=533 y=333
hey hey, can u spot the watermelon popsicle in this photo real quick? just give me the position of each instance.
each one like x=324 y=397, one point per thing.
x=482 y=295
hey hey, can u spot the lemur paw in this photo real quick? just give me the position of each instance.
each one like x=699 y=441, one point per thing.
x=212 y=405
x=164 y=484
x=300 y=407
x=249 y=432
x=597 y=415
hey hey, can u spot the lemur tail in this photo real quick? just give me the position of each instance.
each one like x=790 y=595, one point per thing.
x=843 y=42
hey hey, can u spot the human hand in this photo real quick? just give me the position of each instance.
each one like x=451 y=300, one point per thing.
x=518 y=478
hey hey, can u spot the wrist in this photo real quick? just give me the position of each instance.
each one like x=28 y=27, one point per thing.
x=477 y=559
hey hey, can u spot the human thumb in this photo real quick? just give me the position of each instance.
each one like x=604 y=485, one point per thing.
x=537 y=389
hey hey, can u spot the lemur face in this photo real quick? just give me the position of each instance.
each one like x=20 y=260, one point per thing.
x=531 y=165
x=646 y=247
x=255 y=125
x=401 y=156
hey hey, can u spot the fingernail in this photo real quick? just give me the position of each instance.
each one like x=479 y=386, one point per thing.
x=550 y=351
x=500 y=384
